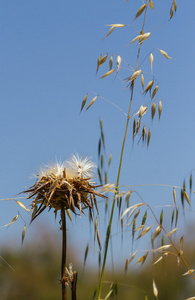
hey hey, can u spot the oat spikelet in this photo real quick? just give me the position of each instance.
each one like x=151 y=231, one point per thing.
x=140 y=11
x=159 y=109
x=83 y=102
x=149 y=136
x=142 y=110
x=164 y=53
x=118 y=62
x=153 y=110
x=155 y=91
x=151 y=60
x=91 y=102
x=142 y=80
x=98 y=62
x=134 y=75
x=155 y=290
x=142 y=258
x=156 y=233
x=151 y=4
x=110 y=63
x=107 y=73
x=149 y=86
x=144 y=37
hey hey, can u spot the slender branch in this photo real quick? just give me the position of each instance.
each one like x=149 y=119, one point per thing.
x=63 y=264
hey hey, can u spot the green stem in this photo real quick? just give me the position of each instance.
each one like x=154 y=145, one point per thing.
x=113 y=204
x=119 y=169
x=63 y=264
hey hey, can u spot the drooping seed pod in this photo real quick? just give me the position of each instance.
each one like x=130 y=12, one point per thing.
x=153 y=110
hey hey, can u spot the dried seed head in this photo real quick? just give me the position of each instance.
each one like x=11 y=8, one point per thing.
x=108 y=73
x=164 y=53
x=149 y=136
x=159 y=109
x=174 y=197
x=64 y=185
x=98 y=62
x=110 y=63
x=151 y=60
x=149 y=86
x=104 y=58
x=144 y=37
x=118 y=61
x=155 y=290
x=144 y=133
x=142 y=111
x=175 y=5
x=155 y=91
x=137 y=126
x=134 y=75
x=153 y=110
x=134 y=126
x=172 y=9
x=140 y=11
x=151 y=4
x=142 y=258
x=91 y=102
x=156 y=233
x=83 y=102
x=142 y=80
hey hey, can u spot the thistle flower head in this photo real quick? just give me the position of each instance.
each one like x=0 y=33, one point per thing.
x=64 y=186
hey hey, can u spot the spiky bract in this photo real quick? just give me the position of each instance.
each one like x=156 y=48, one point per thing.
x=64 y=185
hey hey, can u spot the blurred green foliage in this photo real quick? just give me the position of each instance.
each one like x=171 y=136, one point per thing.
x=37 y=273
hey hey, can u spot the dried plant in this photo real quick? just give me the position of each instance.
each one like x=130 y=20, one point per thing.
x=64 y=187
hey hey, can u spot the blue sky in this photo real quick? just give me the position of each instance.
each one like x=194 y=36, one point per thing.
x=49 y=51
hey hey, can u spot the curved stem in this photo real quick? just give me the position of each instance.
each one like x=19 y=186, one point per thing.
x=63 y=264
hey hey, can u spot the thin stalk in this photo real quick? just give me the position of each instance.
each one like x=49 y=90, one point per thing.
x=74 y=282
x=63 y=264
x=113 y=204
x=119 y=172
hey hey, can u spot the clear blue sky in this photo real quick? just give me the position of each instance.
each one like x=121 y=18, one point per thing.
x=49 y=51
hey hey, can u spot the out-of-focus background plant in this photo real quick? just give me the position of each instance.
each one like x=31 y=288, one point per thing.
x=37 y=273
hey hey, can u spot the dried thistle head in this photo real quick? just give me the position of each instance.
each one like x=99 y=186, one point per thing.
x=64 y=186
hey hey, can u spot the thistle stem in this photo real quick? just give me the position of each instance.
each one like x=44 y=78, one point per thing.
x=63 y=264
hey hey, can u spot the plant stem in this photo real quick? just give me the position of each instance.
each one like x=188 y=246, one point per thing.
x=113 y=204
x=63 y=264
x=74 y=282
x=119 y=169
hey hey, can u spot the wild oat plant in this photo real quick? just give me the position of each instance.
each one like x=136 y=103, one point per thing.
x=141 y=132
